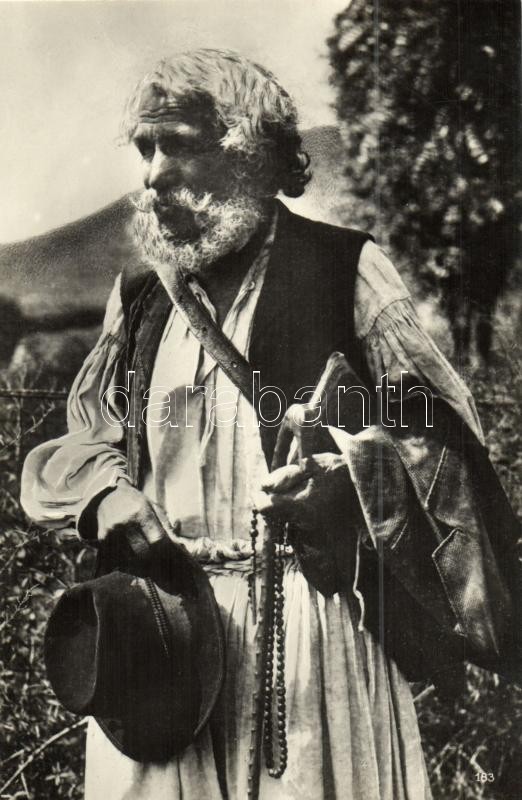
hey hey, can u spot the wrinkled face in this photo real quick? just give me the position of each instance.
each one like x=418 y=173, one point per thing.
x=183 y=152
x=195 y=208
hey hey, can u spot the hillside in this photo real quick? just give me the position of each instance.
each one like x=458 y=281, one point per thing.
x=60 y=281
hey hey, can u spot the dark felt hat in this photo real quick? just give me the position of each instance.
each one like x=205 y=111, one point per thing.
x=141 y=649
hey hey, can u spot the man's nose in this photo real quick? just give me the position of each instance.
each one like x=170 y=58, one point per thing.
x=162 y=172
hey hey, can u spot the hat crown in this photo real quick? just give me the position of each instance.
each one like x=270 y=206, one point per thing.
x=106 y=656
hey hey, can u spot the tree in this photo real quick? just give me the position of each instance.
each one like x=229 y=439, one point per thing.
x=429 y=102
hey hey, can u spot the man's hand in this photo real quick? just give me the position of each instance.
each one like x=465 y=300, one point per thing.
x=126 y=512
x=314 y=494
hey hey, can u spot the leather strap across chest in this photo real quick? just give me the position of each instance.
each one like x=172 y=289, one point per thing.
x=304 y=313
x=211 y=337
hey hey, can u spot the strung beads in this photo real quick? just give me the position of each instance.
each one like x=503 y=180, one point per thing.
x=274 y=725
x=276 y=632
x=252 y=577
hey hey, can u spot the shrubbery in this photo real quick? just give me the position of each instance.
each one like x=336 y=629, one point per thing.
x=428 y=99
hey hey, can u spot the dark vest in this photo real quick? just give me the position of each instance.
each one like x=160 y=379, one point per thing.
x=304 y=313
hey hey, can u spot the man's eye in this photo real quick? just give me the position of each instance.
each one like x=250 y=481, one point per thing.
x=182 y=145
x=171 y=146
x=145 y=147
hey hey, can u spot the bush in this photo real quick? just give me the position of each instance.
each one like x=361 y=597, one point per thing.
x=428 y=98
x=35 y=567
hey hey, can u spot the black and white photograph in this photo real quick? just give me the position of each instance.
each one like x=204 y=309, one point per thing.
x=260 y=400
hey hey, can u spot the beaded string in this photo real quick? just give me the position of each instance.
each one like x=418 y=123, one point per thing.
x=260 y=661
x=276 y=630
x=252 y=595
x=275 y=635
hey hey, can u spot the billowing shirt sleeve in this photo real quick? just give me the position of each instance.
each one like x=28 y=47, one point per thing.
x=394 y=340
x=61 y=477
x=419 y=489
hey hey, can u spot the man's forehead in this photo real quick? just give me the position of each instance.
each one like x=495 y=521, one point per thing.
x=182 y=125
x=159 y=104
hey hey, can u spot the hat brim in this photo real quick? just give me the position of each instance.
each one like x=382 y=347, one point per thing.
x=178 y=575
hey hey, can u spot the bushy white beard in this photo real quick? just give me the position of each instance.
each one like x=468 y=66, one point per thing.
x=225 y=226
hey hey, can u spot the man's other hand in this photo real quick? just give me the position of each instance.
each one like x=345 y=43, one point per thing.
x=126 y=512
x=314 y=494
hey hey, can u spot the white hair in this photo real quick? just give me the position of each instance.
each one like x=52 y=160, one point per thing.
x=257 y=116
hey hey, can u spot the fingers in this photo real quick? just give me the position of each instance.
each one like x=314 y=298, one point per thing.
x=289 y=507
x=284 y=491
x=282 y=447
x=299 y=425
x=306 y=494
x=154 y=523
x=153 y=532
x=127 y=512
x=272 y=504
x=286 y=478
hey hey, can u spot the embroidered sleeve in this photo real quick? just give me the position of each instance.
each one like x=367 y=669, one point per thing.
x=395 y=341
x=382 y=457
x=62 y=476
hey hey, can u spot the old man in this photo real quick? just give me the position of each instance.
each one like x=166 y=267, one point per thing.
x=217 y=137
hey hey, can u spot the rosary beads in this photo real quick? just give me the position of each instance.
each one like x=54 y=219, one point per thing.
x=275 y=644
x=252 y=594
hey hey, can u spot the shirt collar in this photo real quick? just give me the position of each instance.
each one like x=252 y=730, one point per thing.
x=255 y=273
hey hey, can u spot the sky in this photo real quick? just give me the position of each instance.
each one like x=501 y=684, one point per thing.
x=67 y=67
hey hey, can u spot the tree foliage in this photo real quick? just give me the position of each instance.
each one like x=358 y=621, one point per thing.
x=428 y=99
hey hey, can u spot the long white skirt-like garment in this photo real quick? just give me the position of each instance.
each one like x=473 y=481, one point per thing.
x=351 y=725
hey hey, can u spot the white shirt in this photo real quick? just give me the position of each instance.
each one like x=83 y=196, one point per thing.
x=204 y=441
x=62 y=476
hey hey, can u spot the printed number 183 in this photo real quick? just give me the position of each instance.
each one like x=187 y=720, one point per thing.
x=484 y=777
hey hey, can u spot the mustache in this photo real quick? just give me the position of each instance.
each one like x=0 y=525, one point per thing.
x=223 y=225
x=149 y=202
